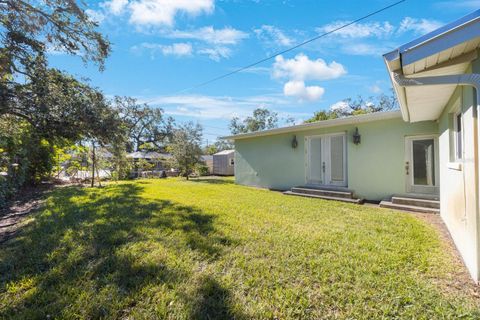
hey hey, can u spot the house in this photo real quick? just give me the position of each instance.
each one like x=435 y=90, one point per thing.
x=224 y=162
x=148 y=162
x=426 y=155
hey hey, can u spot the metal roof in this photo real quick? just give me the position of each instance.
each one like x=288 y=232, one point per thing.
x=224 y=152
x=448 y=50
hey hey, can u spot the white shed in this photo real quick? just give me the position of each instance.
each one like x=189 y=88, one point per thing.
x=224 y=162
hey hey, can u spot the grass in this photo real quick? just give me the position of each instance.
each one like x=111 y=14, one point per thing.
x=214 y=250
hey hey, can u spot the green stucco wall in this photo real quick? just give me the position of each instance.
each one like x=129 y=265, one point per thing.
x=375 y=168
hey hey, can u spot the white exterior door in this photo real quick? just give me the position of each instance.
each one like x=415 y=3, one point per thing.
x=421 y=164
x=326 y=160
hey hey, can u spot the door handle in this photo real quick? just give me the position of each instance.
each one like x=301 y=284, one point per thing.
x=323 y=166
x=407 y=167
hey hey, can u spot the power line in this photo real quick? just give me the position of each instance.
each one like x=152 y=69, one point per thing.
x=291 y=48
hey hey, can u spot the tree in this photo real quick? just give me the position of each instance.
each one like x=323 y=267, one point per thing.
x=146 y=126
x=30 y=27
x=45 y=107
x=352 y=107
x=261 y=119
x=219 y=145
x=322 y=115
x=185 y=148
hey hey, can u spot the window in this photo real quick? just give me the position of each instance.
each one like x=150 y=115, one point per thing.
x=232 y=161
x=457 y=136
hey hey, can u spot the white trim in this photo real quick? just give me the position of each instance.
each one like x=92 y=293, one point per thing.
x=325 y=152
x=458 y=154
x=455 y=166
x=370 y=117
x=410 y=185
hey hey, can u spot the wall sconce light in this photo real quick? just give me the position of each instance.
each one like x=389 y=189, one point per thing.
x=356 y=137
x=294 y=142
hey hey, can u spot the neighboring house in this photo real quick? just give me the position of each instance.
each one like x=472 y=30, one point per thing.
x=155 y=160
x=224 y=163
x=208 y=160
x=427 y=150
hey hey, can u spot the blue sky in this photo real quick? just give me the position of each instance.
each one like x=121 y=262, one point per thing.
x=162 y=47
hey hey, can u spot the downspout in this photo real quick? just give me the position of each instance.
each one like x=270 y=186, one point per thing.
x=473 y=80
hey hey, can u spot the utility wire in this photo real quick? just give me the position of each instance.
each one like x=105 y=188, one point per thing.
x=291 y=48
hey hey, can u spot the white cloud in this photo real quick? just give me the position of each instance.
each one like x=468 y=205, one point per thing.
x=157 y=12
x=359 y=30
x=176 y=49
x=372 y=38
x=208 y=34
x=302 y=68
x=216 y=53
x=365 y=49
x=216 y=107
x=273 y=35
x=418 y=26
x=375 y=89
x=298 y=89
x=96 y=16
x=115 y=7
x=341 y=106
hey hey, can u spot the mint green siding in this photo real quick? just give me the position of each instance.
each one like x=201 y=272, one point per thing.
x=375 y=168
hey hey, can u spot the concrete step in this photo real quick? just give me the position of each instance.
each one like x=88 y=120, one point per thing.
x=349 y=200
x=417 y=202
x=404 y=207
x=324 y=192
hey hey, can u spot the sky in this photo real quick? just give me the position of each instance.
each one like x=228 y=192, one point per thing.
x=162 y=49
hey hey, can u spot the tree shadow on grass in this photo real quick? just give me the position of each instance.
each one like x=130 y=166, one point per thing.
x=213 y=180
x=93 y=253
x=213 y=301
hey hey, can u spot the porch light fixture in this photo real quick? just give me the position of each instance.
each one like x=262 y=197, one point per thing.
x=356 y=137
x=294 y=142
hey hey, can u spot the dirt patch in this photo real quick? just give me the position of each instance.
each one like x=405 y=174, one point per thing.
x=24 y=204
x=460 y=279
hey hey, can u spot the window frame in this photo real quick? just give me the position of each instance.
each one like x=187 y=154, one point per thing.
x=458 y=144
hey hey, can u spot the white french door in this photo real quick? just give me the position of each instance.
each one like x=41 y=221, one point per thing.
x=421 y=164
x=326 y=160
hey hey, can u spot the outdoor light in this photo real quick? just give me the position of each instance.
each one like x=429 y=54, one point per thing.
x=356 y=137
x=294 y=142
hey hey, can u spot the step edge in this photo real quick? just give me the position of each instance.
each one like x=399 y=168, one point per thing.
x=350 y=200
x=391 y=205
x=416 y=199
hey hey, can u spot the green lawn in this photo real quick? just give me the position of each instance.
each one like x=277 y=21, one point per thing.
x=210 y=249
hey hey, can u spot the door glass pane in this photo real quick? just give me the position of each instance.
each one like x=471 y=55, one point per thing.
x=423 y=162
x=315 y=160
x=337 y=158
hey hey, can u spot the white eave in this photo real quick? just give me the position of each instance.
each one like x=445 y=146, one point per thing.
x=320 y=124
x=448 y=50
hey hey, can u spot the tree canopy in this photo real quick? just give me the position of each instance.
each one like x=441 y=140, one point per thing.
x=352 y=107
x=261 y=119
x=30 y=28
x=146 y=126
x=185 y=148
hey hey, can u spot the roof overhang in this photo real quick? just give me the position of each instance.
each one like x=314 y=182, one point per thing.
x=364 y=118
x=448 y=50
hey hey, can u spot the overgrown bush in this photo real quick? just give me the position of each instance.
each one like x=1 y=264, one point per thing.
x=202 y=170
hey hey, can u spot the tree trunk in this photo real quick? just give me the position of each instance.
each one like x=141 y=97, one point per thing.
x=93 y=164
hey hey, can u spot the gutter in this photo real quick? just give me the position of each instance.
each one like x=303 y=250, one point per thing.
x=370 y=117
x=473 y=80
